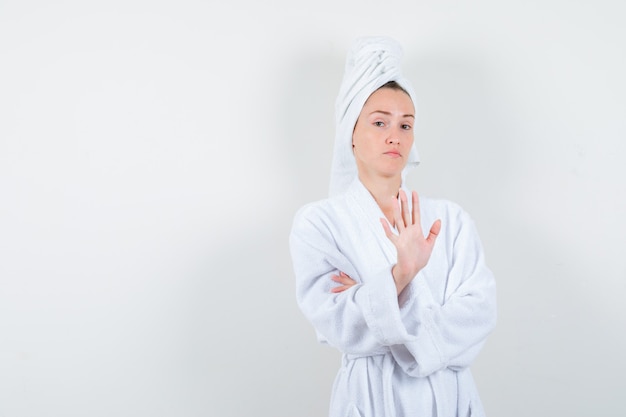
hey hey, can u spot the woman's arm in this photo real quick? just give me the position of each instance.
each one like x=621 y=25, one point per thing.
x=362 y=319
x=450 y=335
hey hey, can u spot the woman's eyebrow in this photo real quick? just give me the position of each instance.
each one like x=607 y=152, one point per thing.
x=389 y=113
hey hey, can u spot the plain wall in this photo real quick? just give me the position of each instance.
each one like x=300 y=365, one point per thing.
x=152 y=155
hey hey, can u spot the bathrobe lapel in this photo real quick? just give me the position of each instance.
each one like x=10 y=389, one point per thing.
x=370 y=216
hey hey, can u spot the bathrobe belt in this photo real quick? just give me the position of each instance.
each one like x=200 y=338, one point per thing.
x=388 y=366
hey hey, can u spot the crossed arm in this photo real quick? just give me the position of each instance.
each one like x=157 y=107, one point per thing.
x=414 y=249
x=365 y=317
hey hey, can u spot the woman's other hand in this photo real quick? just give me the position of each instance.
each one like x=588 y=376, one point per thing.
x=413 y=248
x=343 y=279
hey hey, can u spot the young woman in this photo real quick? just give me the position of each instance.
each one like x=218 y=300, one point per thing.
x=397 y=283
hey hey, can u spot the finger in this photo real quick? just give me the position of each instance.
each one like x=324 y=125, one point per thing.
x=416 y=207
x=397 y=215
x=346 y=276
x=336 y=278
x=340 y=289
x=434 y=232
x=417 y=219
x=343 y=279
x=387 y=228
x=404 y=204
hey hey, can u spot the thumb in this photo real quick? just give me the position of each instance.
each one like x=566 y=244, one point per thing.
x=434 y=232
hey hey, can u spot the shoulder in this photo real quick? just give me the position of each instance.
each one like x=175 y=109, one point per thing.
x=319 y=214
x=317 y=225
x=321 y=209
x=312 y=211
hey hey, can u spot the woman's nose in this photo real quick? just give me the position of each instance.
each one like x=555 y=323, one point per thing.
x=396 y=134
x=393 y=138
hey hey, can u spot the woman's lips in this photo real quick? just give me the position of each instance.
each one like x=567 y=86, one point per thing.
x=393 y=154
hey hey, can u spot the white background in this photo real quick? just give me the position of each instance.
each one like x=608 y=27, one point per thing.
x=152 y=155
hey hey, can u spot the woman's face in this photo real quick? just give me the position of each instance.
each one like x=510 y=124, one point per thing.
x=383 y=134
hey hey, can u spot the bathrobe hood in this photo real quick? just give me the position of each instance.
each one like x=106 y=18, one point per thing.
x=371 y=62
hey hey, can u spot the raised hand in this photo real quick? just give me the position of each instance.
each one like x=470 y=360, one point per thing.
x=413 y=247
x=343 y=279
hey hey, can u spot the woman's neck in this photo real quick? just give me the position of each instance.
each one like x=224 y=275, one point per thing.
x=384 y=191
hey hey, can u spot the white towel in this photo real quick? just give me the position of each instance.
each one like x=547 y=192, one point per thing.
x=371 y=62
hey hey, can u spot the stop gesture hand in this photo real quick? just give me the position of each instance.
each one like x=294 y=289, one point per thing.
x=413 y=248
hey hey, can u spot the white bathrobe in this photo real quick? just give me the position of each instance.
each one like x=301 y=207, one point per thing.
x=407 y=355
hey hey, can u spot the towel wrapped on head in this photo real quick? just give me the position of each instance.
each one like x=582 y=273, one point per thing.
x=371 y=63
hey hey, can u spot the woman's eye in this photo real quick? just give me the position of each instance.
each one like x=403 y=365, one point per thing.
x=379 y=124
x=406 y=127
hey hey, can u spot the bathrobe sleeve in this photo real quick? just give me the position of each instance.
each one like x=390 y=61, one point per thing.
x=450 y=334
x=361 y=320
